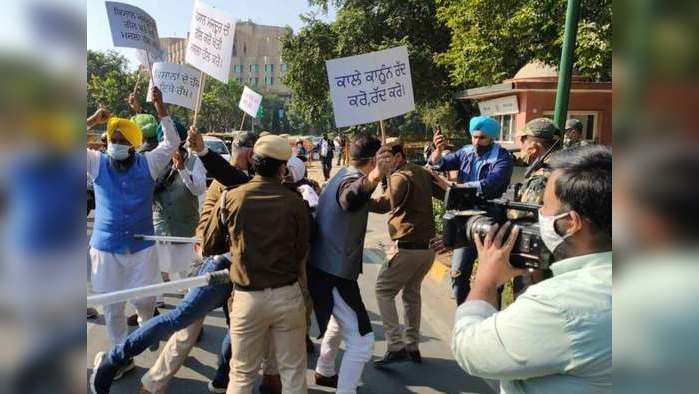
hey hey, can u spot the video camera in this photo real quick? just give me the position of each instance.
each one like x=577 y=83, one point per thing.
x=468 y=213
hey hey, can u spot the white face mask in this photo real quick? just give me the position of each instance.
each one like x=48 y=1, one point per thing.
x=548 y=232
x=118 y=151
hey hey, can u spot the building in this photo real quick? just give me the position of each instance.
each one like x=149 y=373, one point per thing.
x=531 y=93
x=256 y=59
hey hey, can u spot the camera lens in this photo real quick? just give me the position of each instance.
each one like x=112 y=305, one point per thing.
x=478 y=224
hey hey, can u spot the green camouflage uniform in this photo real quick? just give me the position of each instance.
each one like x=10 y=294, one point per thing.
x=532 y=189
x=574 y=124
x=568 y=143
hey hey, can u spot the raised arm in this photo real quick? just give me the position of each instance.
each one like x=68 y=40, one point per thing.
x=216 y=166
x=159 y=157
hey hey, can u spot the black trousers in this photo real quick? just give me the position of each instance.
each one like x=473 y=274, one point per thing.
x=327 y=165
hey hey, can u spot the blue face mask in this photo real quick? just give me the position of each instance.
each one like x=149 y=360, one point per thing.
x=118 y=151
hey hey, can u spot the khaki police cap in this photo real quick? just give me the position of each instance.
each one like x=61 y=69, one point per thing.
x=274 y=147
x=264 y=133
x=541 y=128
x=394 y=141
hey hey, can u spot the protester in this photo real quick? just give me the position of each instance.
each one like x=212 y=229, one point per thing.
x=336 y=262
x=484 y=165
x=176 y=206
x=411 y=227
x=267 y=255
x=337 y=142
x=123 y=183
x=574 y=134
x=325 y=150
x=300 y=150
x=557 y=336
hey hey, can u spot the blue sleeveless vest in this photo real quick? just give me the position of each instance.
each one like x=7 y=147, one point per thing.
x=124 y=203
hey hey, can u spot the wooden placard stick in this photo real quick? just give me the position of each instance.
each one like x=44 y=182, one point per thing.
x=383 y=132
x=242 y=122
x=202 y=82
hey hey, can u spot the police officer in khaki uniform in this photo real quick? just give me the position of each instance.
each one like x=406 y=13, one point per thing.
x=408 y=201
x=267 y=227
x=574 y=134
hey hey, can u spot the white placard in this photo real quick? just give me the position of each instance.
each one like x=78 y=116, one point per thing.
x=178 y=83
x=132 y=27
x=370 y=87
x=250 y=102
x=210 y=42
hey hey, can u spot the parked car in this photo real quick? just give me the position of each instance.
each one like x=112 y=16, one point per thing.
x=217 y=145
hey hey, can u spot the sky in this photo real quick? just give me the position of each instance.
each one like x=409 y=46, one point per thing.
x=173 y=17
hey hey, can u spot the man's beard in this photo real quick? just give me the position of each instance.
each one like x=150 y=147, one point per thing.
x=482 y=149
x=563 y=251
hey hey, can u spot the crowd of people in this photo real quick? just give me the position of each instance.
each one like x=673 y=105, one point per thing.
x=294 y=249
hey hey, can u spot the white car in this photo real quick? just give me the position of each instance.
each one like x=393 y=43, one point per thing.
x=217 y=145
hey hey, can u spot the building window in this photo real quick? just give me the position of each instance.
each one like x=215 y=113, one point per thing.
x=254 y=81
x=269 y=80
x=254 y=68
x=506 y=127
x=238 y=68
x=284 y=67
x=269 y=68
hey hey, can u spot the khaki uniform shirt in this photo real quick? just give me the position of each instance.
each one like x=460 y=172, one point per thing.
x=409 y=201
x=267 y=228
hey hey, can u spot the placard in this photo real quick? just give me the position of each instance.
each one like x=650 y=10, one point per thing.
x=250 y=102
x=132 y=27
x=370 y=87
x=210 y=42
x=178 y=83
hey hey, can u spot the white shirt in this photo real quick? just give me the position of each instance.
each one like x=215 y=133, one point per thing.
x=157 y=159
x=195 y=180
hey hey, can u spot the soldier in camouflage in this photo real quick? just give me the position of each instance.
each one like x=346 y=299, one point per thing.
x=536 y=138
x=574 y=134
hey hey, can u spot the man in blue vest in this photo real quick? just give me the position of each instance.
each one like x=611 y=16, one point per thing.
x=484 y=165
x=124 y=182
x=336 y=262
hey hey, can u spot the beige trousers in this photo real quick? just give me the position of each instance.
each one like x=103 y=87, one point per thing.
x=255 y=315
x=404 y=271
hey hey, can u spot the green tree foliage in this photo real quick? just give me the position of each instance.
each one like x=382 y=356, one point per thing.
x=492 y=39
x=364 y=26
x=109 y=82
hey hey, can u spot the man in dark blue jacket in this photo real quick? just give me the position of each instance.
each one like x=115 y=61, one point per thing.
x=484 y=165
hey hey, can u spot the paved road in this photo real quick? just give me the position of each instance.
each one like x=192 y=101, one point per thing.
x=439 y=373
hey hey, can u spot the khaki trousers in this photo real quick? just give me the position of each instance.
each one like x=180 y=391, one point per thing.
x=255 y=315
x=171 y=358
x=404 y=271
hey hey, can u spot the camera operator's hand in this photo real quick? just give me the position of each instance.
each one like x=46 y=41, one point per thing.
x=494 y=268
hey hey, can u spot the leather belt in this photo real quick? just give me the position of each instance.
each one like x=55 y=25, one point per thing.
x=413 y=245
x=238 y=287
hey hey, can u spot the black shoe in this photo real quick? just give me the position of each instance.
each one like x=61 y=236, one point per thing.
x=392 y=357
x=310 y=348
x=326 y=381
x=415 y=356
x=132 y=321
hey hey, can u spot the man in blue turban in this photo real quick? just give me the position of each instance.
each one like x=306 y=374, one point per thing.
x=483 y=165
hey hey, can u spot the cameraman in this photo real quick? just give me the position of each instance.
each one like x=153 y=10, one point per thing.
x=557 y=336
x=484 y=165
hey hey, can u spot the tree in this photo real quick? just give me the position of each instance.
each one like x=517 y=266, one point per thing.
x=109 y=82
x=492 y=39
x=219 y=106
x=364 y=26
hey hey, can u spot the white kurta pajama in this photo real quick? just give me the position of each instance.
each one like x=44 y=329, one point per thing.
x=118 y=271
